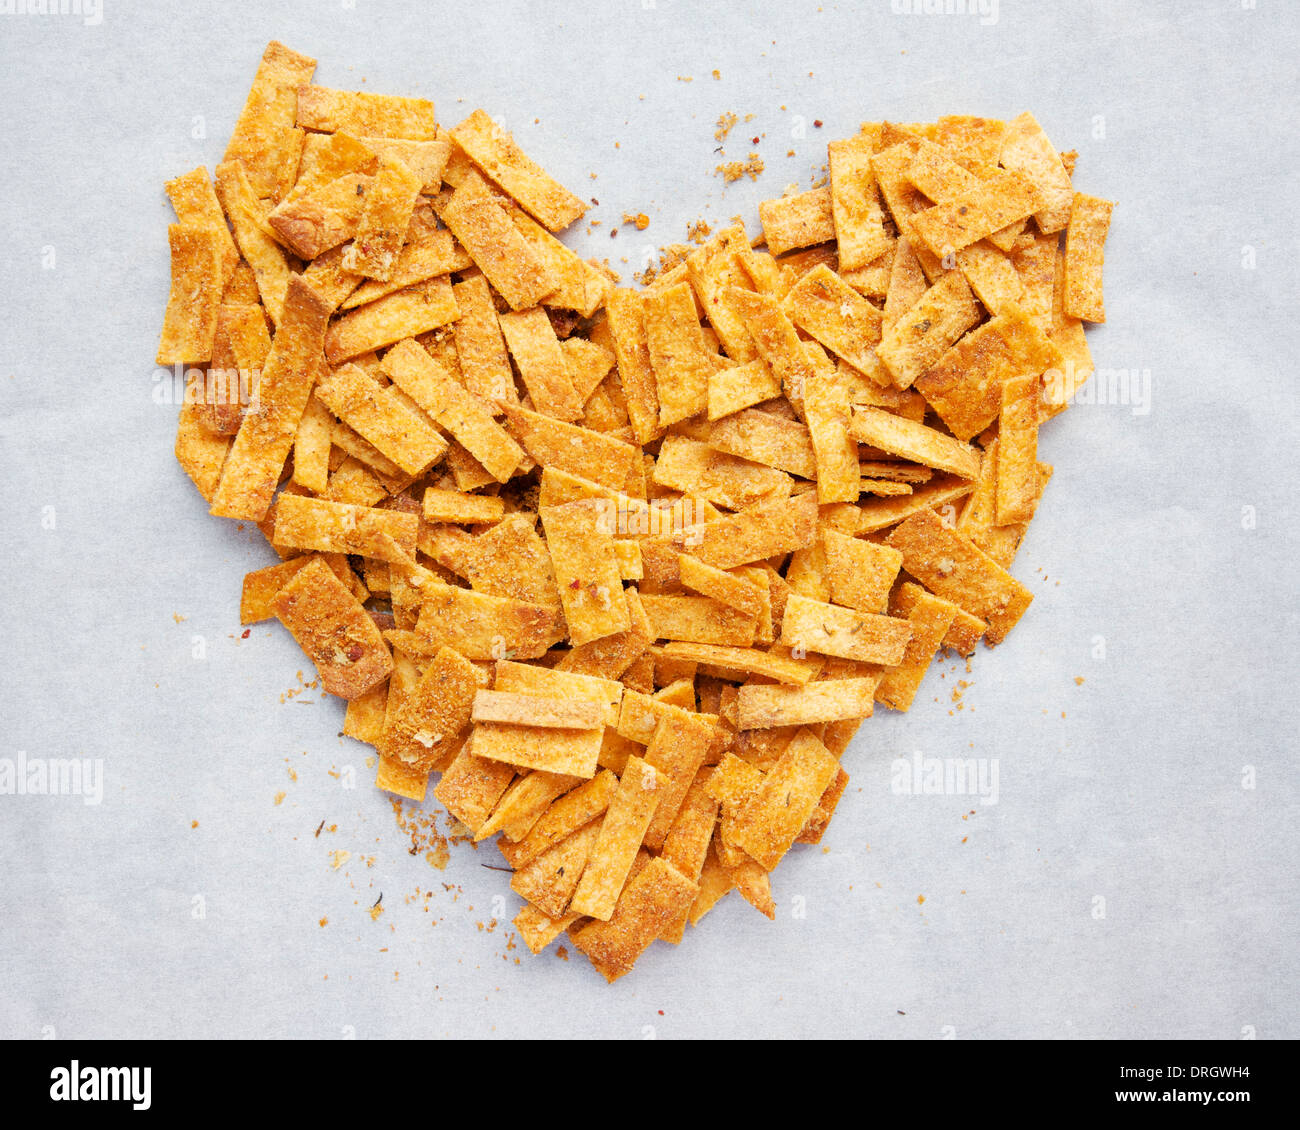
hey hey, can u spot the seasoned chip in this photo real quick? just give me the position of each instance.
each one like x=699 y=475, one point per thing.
x=910 y=440
x=359 y=112
x=914 y=343
x=190 y=323
x=494 y=243
x=768 y=819
x=494 y=151
x=829 y=700
x=795 y=221
x=377 y=413
x=1016 y=495
x=1026 y=149
x=580 y=537
x=256 y=459
x=952 y=566
x=429 y=384
x=536 y=350
x=334 y=630
x=1084 y=241
x=405 y=313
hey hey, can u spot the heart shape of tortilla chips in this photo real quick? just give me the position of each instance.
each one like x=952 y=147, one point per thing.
x=626 y=569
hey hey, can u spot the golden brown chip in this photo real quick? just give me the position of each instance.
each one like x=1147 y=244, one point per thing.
x=334 y=630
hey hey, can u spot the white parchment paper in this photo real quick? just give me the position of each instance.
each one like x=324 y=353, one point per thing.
x=1134 y=874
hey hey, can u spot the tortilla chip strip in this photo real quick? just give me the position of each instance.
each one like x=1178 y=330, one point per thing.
x=829 y=629
x=579 y=451
x=587 y=363
x=471 y=786
x=429 y=720
x=715 y=881
x=196 y=205
x=741 y=386
x=531 y=710
x=729 y=589
x=755 y=535
x=823 y=305
x=696 y=469
x=640 y=714
x=858 y=219
x=426 y=159
x=573 y=752
x=405 y=313
x=494 y=151
x=650 y=903
x=200 y=453
x=256 y=459
x=524 y=802
x=464 y=509
x=381 y=227
x=484 y=229
x=802 y=220
x=678 y=356
x=395 y=776
x=264 y=140
x=819 y=821
x=335 y=527
x=945 y=182
x=953 y=567
x=743 y=661
x=333 y=629
x=920 y=337
x=965 y=386
x=698 y=619
x=769 y=819
x=575 y=809
x=539 y=929
x=579 y=537
x=826 y=407
x=776 y=339
x=238 y=353
x=686 y=846
x=483 y=627
x=625 y=317
x=480 y=346
x=621 y=831
x=991 y=276
x=859 y=573
x=676 y=753
x=360 y=112
x=190 y=322
x=1026 y=149
x=548 y=882
x=979 y=515
x=424 y=255
x=531 y=340
x=578 y=285
x=315 y=221
x=763 y=437
x=261 y=585
x=712 y=270
x=380 y=415
x=915 y=442
x=828 y=700
x=1016 y=493
x=1085 y=241
x=931 y=618
x=464 y=415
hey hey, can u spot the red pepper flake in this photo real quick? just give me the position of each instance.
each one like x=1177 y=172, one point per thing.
x=817 y=123
x=246 y=633
x=755 y=141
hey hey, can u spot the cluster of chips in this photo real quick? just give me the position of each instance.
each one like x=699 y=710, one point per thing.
x=626 y=569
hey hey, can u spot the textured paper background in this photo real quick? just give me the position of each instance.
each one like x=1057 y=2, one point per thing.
x=1127 y=789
